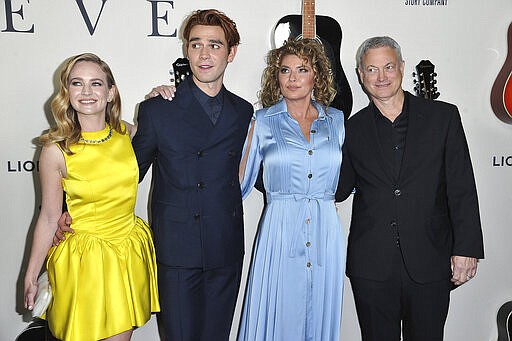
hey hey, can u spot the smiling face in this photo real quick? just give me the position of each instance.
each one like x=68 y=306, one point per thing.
x=381 y=73
x=88 y=89
x=209 y=55
x=296 y=78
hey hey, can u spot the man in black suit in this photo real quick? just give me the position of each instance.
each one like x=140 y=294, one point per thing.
x=194 y=144
x=415 y=230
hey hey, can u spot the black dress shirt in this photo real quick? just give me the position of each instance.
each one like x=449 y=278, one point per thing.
x=211 y=105
x=392 y=136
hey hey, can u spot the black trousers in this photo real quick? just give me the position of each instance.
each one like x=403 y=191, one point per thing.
x=386 y=309
x=197 y=304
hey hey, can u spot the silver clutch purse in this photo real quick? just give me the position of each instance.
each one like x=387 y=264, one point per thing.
x=44 y=295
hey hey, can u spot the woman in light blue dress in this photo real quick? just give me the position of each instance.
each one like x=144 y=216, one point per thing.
x=295 y=284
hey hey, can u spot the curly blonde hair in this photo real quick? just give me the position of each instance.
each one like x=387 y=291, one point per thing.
x=68 y=130
x=312 y=52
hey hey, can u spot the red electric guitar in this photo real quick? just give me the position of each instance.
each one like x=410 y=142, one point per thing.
x=328 y=32
x=501 y=93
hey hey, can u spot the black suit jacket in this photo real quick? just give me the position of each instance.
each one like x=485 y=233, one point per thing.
x=432 y=207
x=196 y=205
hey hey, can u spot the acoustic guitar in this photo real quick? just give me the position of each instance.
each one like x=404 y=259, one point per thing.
x=501 y=93
x=327 y=31
x=425 y=82
x=504 y=320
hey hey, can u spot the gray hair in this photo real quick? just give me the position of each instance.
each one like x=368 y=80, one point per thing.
x=376 y=42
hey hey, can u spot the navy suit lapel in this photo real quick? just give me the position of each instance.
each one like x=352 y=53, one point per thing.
x=194 y=118
x=228 y=120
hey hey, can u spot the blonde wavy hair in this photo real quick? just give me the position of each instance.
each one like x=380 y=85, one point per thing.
x=312 y=52
x=68 y=130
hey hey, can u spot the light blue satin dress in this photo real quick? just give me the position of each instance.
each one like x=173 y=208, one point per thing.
x=295 y=285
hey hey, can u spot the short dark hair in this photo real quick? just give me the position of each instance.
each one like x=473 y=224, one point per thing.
x=212 y=17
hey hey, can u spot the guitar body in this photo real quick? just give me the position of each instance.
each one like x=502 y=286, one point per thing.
x=329 y=32
x=501 y=93
x=504 y=320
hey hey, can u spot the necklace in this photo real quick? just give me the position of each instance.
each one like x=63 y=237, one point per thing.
x=106 y=138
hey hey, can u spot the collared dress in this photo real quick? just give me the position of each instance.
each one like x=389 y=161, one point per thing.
x=295 y=285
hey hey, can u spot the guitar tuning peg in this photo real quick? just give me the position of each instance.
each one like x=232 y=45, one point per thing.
x=434 y=74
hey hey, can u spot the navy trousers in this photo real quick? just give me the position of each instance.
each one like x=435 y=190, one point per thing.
x=197 y=304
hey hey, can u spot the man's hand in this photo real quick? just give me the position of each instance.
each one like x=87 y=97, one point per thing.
x=63 y=227
x=166 y=91
x=463 y=269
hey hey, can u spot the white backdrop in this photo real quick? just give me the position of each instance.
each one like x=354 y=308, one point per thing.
x=465 y=39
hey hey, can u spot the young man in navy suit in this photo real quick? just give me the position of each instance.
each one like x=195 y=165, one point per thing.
x=415 y=230
x=194 y=144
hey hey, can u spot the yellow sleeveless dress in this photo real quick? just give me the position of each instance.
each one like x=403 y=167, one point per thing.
x=103 y=277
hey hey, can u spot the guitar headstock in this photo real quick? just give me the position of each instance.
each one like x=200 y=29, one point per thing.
x=425 y=82
x=180 y=70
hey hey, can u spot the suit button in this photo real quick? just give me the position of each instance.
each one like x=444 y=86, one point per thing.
x=200 y=185
x=393 y=224
x=397 y=192
x=200 y=153
x=197 y=216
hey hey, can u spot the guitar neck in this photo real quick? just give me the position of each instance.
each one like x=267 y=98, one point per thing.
x=308 y=19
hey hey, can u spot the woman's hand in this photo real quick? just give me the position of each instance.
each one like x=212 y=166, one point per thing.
x=166 y=91
x=30 y=293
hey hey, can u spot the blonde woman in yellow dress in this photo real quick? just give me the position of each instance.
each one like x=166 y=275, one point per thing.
x=103 y=276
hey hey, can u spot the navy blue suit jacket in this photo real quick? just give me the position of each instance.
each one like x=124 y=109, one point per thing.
x=196 y=205
x=432 y=207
